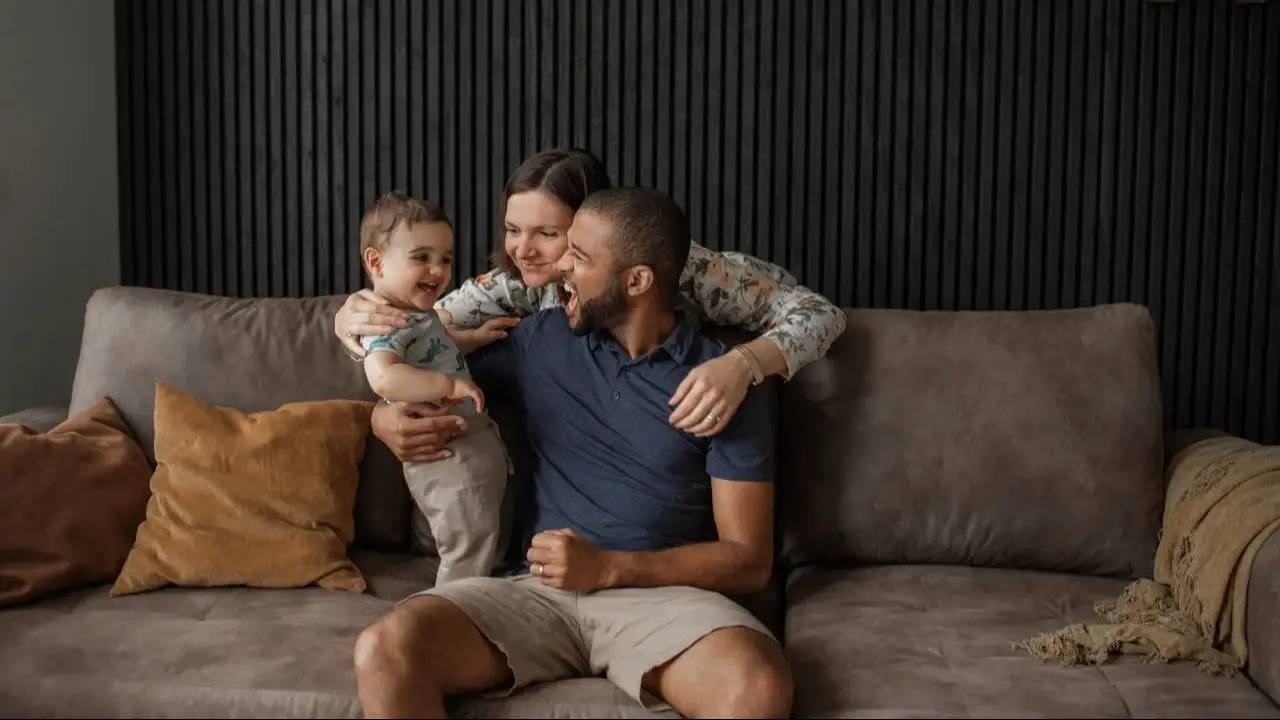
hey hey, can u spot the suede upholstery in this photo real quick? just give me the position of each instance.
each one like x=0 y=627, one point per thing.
x=948 y=485
x=252 y=355
x=1002 y=439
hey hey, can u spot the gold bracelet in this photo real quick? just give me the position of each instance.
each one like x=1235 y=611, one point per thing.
x=757 y=376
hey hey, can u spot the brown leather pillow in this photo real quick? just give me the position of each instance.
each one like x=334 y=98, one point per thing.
x=71 y=500
x=260 y=500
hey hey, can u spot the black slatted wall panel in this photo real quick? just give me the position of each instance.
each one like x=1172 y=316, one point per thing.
x=954 y=154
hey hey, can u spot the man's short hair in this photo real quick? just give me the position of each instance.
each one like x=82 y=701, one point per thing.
x=392 y=209
x=649 y=228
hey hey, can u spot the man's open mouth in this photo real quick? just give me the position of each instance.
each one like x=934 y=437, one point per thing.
x=568 y=297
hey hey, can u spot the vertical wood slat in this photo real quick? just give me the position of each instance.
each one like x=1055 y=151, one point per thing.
x=929 y=154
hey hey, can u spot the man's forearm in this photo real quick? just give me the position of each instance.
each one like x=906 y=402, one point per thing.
x=722 y=566
x=405 y=383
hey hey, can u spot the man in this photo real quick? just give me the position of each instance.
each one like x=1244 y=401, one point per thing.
x=639 y=527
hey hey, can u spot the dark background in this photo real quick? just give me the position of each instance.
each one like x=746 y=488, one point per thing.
x=932 y=154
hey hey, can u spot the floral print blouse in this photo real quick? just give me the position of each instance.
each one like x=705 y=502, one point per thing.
x=724 y=288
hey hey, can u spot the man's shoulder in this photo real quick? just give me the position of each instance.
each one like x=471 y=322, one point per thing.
x=708 y=342
x=545 y=333
x=548 y=321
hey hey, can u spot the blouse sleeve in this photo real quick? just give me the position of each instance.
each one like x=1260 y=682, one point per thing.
x=747 y=292
x=494 y=294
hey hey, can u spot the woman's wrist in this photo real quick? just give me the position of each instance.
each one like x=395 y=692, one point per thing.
x=769 y=358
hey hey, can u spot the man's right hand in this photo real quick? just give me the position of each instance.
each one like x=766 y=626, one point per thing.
x=416 y=433
x=365 y=313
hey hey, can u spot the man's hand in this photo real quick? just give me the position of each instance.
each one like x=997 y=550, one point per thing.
x=416 y=432
x=564 y=559
x=365 y=312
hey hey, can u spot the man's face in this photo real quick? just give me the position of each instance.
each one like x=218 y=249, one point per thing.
x=593 y=293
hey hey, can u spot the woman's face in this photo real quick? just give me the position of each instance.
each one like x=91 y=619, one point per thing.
x=537 y=224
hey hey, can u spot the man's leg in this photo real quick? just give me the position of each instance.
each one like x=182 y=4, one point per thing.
x=425 y=649
x=732 y=672
x=698 y=651
x=465 y=637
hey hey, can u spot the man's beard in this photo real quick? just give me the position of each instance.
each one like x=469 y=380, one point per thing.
x=599 y=313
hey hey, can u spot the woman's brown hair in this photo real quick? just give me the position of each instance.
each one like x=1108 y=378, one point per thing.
x=569 y=175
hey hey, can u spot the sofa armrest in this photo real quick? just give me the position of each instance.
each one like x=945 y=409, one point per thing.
x=40 y=419
x=1262 y=608
x=1262 y=624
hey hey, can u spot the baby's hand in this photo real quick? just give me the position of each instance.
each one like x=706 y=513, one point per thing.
x=463 y=388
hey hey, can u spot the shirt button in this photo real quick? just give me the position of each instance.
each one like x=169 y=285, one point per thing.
x=616 y=396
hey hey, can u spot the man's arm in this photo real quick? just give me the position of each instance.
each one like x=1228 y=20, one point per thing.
x=740 y=562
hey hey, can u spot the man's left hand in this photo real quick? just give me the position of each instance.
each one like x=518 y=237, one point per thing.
x=564 y=559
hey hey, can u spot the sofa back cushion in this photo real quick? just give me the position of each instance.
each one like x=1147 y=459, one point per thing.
x=1008 y=439
x=252 y=355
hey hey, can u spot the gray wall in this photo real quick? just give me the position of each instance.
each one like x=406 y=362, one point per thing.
x=59 y=230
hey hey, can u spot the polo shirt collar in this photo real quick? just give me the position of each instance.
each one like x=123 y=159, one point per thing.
x=677 y=344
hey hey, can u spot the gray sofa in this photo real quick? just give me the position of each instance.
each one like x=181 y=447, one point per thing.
x=949 y=484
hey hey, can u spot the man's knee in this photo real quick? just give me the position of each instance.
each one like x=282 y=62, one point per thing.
x=732 y=672
x=396 y=643
x=757 y=684
x=431 y=643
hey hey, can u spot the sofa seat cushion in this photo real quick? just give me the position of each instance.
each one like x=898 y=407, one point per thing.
x=230 y=652
x=937 y=641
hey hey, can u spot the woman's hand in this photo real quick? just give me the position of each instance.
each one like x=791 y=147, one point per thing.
x=416 y=433
x=365 y=313
x=710 y=394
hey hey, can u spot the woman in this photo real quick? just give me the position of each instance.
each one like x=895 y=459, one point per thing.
x=725 y=288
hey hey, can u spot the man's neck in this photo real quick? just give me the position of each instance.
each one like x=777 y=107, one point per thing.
x=644 y=329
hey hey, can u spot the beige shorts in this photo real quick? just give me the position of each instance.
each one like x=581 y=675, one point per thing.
x=458 y=503
x=548 y=634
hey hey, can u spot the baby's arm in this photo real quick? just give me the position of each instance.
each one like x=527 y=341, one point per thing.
x=392 y=378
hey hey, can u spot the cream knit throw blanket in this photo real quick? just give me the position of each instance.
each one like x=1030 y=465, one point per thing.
x=1221 y=506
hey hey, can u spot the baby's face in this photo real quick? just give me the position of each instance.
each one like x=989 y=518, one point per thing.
x=417 y=264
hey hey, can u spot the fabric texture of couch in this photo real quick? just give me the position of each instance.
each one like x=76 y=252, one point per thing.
x=949 y=484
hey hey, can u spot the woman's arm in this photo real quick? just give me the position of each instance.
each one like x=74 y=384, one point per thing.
x=798 y=327
x=492 y=295
x=495 y=294
x=798 y=324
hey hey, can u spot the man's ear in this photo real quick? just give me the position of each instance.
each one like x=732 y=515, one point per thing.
x=372 y=261
x=638 y=281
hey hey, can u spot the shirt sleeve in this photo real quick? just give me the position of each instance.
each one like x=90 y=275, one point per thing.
x=494 y=294
x=496 y=367
x=397 y=342
x=747 y=292
x=744 y=450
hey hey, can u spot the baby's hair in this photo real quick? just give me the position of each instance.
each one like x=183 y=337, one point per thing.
x=389 y=211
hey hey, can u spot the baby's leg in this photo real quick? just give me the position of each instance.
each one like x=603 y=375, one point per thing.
x=461 y=499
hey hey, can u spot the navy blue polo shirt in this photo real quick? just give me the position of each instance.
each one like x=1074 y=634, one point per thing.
x=607 y=462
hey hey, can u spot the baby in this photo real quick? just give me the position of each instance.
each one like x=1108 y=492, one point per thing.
x=406 y=245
